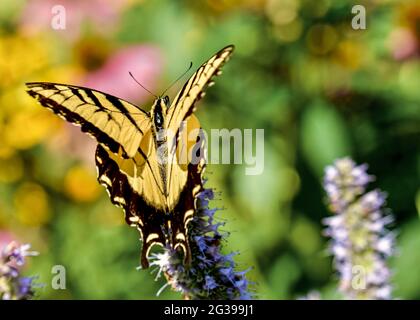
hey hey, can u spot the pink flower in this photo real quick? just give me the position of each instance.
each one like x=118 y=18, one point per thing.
x=144 y=62
x=72 y=142
x=102 y=15
x=403 y=44
x=5 y=238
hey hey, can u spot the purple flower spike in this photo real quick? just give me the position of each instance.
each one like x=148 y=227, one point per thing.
x=211 y=274
x=12 y=285
x=360 y=241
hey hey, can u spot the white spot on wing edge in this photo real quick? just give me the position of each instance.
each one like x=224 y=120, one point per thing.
x=188 y=215
x=150 y=247
x=195 y=190
x=105 y=180
x=180 y=236
x=180 y=244
x=151 y=237
x=134 y=219
x=120 y=200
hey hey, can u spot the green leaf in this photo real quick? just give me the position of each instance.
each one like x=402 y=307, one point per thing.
x=324 y=136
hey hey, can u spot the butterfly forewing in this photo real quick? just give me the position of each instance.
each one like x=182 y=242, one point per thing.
x=183 y=104
x=112 y=121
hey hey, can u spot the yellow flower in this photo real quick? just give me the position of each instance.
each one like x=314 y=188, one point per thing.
x=20 y=56
x=80 y=184
x=31 y=204
x=11 y=167
x=23 y=123
x=349 y=54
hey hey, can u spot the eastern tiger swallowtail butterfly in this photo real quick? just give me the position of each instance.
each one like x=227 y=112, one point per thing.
x=158 y=199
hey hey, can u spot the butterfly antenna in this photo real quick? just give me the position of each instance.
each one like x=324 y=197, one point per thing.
x=181 y=76
x=142 y=85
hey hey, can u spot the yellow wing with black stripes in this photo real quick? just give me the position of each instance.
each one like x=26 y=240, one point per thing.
x=116 y=124
x=193 y=90
x=158 y=198
x=183 y=106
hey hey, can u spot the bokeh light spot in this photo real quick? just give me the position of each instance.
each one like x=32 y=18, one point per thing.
x=11 y=169
x=31 y=203
x=321 y=39
x=80 y=184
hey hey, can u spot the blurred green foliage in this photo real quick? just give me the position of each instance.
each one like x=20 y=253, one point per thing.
x=318 y=88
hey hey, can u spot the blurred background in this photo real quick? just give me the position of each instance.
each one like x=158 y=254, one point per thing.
x=318 y=88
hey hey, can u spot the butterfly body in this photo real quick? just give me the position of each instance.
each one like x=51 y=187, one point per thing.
x=158 y=113
x=139 y=156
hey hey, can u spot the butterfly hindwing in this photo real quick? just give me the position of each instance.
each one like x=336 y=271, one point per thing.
x=125 y=179
x=114 y=123
x=186 y=207
x=120 y=179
